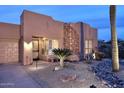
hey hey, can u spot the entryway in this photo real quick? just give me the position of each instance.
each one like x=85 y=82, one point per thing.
x=42 y=47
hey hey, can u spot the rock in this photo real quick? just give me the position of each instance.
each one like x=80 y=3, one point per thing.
x=93 y=86
x=103 y=71
x=80 y=80
x=109 y=85
x=104 y=82
x=66 y=78
x=73 y=58
x=57 y=68
x=114 y=85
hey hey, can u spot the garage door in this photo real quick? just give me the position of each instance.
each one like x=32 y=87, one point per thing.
x=8 y=51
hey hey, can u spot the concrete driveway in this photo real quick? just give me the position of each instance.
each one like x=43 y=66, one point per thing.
x=14 y=76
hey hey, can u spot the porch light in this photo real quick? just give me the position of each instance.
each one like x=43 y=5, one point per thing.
x=44 y=38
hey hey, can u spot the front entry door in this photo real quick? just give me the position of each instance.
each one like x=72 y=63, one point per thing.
x=35 y=48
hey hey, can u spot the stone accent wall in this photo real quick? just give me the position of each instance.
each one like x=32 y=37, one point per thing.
x=71 y=38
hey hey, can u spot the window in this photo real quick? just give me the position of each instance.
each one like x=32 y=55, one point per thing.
x=48 y=46
x=88 y=46
x=55 y=44
x=52 y=44
x=86 y=51
x=43 y=46
x=86 y=43
x=35 y=44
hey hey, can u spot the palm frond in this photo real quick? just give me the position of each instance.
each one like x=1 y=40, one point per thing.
x=62 y=53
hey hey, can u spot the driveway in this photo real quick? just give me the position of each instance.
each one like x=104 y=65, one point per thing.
x=14 y=76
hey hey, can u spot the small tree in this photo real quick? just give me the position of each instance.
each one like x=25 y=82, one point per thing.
x=62 y=54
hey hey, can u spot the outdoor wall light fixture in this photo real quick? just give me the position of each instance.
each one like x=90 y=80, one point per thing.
x=44 y=38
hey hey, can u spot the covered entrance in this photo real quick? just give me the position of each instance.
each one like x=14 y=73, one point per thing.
x=42 y=47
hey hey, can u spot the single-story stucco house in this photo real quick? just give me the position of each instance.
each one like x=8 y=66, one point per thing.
x=37 y=34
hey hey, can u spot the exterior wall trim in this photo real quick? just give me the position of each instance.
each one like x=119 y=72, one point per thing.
x=81 y=42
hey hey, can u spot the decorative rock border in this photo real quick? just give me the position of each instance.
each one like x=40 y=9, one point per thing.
x=104 y=72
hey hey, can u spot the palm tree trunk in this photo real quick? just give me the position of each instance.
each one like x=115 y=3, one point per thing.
x=62 y=62
x=115 y=56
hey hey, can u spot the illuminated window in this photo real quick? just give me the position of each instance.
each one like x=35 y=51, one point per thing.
x=86 y=51
x=35 y=45
x=52 y=44
x=48 y=46
x=86 y=43
x=88 y=46
x=55 y=44
x=42 y=46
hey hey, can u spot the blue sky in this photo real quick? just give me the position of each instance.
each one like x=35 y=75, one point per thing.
x=96 y=16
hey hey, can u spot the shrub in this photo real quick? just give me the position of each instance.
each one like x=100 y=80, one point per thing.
x=99 y=55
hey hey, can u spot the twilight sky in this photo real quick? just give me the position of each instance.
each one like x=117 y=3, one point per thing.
x=96 y=16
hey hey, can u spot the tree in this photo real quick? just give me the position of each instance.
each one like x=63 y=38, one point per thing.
x=62 y=54
x=115 y=57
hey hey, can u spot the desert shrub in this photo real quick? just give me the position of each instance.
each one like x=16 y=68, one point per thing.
x=99 y=55
x=62 y=54
x=88 y=58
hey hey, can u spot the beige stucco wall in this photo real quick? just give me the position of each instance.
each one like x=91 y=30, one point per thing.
x=94 y=38
x=39 y=25
x=9 y=38
x=10 y=31
x=33 y=24
x=90 y=34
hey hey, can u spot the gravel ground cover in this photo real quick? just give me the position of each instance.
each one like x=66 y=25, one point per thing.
x=74 y=75
x=103 y=71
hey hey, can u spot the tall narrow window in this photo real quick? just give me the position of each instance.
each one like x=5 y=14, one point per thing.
x=52 y=44
x=55 y=44
x=88 y=46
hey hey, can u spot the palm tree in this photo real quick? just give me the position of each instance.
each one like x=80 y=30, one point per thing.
x=62 y=54
x=115 y=57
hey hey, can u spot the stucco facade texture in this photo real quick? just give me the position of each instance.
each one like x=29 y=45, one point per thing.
x=9 y=38
x=38 y=25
